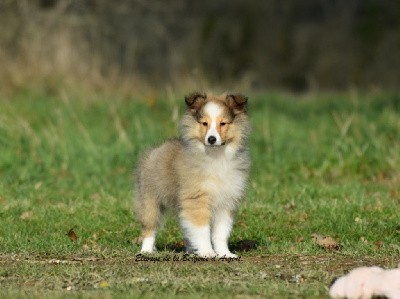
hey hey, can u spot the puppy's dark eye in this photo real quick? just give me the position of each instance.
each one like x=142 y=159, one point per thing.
x=205 y=123
x=222 y=124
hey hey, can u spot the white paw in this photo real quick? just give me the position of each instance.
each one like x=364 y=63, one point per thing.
x=210 y=253
x=226 y=254
x=148 y=250
x=148 y=244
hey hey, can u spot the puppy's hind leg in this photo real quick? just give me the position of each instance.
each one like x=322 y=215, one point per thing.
x=148 y=212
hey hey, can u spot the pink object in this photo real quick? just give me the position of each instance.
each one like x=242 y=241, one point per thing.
x=365 y=282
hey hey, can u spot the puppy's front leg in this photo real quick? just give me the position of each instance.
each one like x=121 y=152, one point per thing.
x=195 y=219
x=222 y=226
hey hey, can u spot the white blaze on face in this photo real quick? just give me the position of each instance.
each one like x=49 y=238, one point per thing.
x=213 y=111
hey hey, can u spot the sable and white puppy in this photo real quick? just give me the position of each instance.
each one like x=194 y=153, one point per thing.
x=202 y=175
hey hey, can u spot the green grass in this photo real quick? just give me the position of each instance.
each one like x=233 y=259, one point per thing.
x=326 y=164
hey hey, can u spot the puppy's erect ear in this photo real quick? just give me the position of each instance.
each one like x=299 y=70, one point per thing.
x=195 y=100
x=237 y=102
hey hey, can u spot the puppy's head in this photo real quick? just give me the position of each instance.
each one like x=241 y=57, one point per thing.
x=214 y=120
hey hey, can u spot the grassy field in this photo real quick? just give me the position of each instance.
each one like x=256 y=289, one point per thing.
x=321 y=164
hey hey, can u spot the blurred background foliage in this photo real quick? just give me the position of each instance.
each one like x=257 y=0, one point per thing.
x=260 y=44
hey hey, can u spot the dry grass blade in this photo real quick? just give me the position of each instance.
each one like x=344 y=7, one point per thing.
x=343 y=124
x=26 y=215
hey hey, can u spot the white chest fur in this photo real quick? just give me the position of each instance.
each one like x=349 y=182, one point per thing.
x=225 y=179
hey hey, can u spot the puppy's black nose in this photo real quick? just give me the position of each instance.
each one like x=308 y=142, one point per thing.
x=212 y=139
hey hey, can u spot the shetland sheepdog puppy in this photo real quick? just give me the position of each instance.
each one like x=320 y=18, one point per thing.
x=202 y=175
